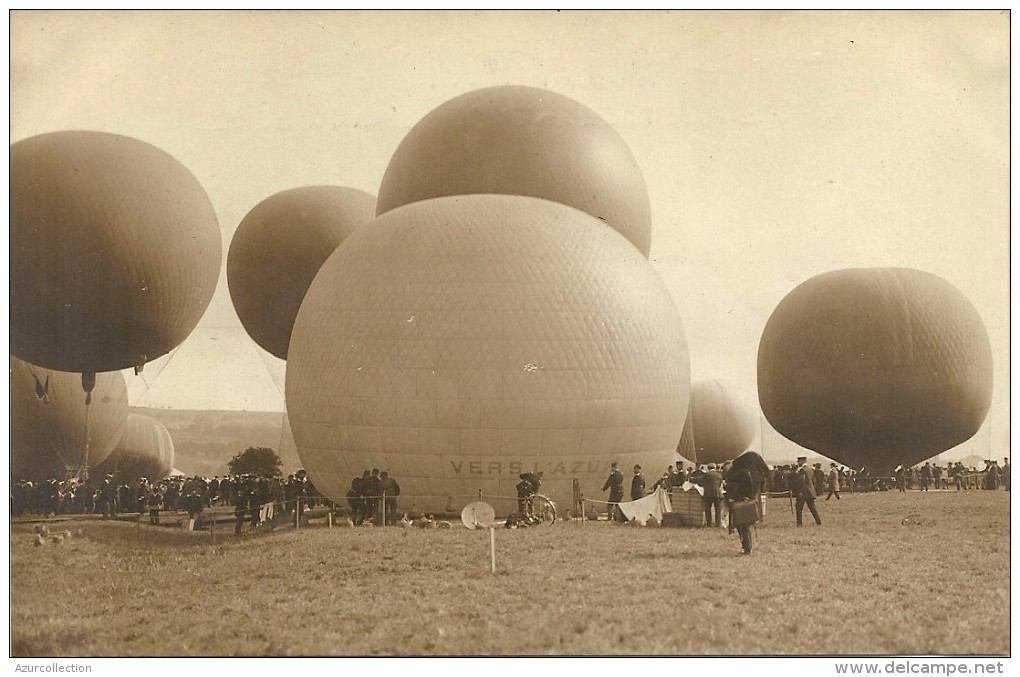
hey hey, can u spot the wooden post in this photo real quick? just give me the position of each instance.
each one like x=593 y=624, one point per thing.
x=329 y=518
x=492 y=547
x=383 y=509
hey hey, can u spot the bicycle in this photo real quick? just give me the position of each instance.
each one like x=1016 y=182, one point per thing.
x=542 y=508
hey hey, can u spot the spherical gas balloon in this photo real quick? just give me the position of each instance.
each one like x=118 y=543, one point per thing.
x=115 y=251
x=522 y=141
x=461 y=341
x=51 y=423
x=875 y=367
x=277 y=250
x=145 y=449
x=721 y=427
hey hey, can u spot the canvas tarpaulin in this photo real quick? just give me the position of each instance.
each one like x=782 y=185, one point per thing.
x=652 y=505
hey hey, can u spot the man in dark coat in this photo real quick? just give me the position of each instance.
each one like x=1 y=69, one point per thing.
x=390 y=490
x=355 y=498
x=108 y=497
x=711 y=481
x=804 y=489
x=614 y=483
x=372 y=492
x=637 y=484
x=745 y=479
x=818 y=477
x=240 y=507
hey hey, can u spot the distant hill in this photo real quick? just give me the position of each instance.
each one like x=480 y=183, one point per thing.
x=205 y=441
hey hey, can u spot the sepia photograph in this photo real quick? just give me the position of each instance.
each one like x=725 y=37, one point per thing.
x=458 y=334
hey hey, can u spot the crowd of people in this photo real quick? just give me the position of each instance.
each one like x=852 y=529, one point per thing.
x=804 y=482
x=109 y=497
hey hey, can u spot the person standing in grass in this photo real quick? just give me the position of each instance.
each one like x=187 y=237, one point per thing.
x=833 y=482
x=390 y=490
x=154 y=502
x=614 y=484
x=637 y=484
x=356 y=498
x=745 y=480
x=240 y=508
x=712 y=499
x=1005 y=474
x=804 y=490
x=819 y=479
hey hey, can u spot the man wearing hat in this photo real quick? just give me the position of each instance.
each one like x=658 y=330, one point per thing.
x=108 y=496
x=804 y=489
x=711 y=499
x=833 y=482
x=614 y=483
x=637 y=484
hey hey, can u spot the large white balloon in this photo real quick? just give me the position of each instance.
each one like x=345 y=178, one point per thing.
x=460 y=341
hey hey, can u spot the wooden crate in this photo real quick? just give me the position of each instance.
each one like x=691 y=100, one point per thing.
x=688 y=509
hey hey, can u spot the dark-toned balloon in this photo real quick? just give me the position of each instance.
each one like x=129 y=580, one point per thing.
x=513 y=140
x=48 y=420
x=145 y=450
x=719 y=425
x=875 y=367
x=278 y=248
x=115 y=251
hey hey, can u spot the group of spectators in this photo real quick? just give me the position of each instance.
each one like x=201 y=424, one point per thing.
x=373 y=497
x=954 y=475
x=793 y=478
x=107 y=496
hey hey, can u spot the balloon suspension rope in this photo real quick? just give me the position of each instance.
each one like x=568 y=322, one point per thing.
x=88 y=382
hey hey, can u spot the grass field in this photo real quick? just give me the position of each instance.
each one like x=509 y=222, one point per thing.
x=887 y=573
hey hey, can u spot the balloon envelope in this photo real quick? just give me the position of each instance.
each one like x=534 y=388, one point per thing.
x=115 y=251
x=516 y=140
x=278 y=248
x=48 y=420
x=720 y=425
x=459 y=342
x=875 y=367
x=145 y=449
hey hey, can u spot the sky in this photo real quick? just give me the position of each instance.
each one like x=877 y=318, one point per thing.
x=775 y=145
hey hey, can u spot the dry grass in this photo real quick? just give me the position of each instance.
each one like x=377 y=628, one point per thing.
x=863 y=583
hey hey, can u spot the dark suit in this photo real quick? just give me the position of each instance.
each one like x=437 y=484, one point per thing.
x=804 y=489
x=711 y=481
x=614 y=483
x=637 y=487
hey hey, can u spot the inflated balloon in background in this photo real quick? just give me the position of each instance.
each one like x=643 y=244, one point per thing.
x=278 y=248
x=875 y=367
x=522 y=141
x=461 y=341
x=49 y=421
x=115 y=251
x=721 y=426
x=145 y=449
